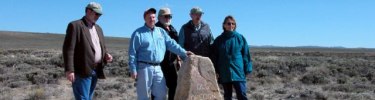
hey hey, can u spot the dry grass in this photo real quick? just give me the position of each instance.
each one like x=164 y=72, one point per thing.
x=279 y=73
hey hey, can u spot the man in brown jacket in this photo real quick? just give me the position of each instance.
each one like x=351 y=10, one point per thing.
x=85 y=53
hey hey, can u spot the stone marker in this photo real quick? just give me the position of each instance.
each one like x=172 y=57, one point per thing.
x=197 y=80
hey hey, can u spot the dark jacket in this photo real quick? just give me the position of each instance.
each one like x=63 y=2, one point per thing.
x=197 y=41
x=231 y=57
x=169 y=57
x=78 y=51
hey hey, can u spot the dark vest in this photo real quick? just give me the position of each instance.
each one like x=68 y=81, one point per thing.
x=198 y=41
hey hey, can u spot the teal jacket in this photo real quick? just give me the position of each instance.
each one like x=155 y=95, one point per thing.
x=231 y=57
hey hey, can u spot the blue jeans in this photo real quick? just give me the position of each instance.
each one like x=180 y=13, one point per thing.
x=150 y=79
x=239 y=86
x=83 y=88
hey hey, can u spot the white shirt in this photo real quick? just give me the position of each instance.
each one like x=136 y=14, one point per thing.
x=96 y=44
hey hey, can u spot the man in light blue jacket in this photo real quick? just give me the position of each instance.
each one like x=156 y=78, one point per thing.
x=148 y=45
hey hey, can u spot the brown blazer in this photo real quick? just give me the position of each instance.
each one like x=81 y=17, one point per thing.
x=78 y=50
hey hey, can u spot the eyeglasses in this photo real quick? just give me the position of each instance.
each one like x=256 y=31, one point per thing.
x=231 y=23
x=168 y=16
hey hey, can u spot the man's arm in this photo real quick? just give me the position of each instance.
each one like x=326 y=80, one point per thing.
x=68 y=48
x=133 y=47
x=68 y=51
x=173 y=46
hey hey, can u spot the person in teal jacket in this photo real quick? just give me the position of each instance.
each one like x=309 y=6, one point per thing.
x=231 y=58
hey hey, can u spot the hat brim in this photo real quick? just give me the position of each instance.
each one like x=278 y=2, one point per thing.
x=98 y=11
x=166 y=14
x=197 y=13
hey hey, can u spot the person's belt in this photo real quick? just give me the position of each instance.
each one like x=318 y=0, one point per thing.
x=153 y=64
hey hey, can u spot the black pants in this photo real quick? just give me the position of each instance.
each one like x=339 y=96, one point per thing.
x=170 y=75
x=239 y=86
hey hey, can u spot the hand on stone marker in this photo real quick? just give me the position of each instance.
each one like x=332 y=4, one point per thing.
x=189 y=53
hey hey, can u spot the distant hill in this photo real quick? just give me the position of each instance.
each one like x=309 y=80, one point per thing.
x=310 y=49
x=32 y=40
x=13 y=40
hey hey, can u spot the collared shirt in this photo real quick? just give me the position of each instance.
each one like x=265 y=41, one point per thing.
x=150 y=46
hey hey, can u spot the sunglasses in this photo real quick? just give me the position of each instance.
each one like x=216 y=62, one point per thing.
x=231 y=23
x=97 y=14
x=168 y=16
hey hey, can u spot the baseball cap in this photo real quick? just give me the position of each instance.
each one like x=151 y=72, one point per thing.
x=150 y=10
x=196 y=10
x=95 y=7
x=164 y=11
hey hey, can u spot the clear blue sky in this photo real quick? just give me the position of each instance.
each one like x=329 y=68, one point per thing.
x=347 y=23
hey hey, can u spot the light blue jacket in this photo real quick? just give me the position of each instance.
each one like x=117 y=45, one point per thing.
x=150 y=46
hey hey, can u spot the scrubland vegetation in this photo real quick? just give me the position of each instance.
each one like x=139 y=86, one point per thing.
x=35 y=72
x=38 y=74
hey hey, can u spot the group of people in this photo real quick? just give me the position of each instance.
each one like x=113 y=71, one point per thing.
x=156 y=51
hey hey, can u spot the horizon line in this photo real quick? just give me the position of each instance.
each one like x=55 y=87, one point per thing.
x=271 y=46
